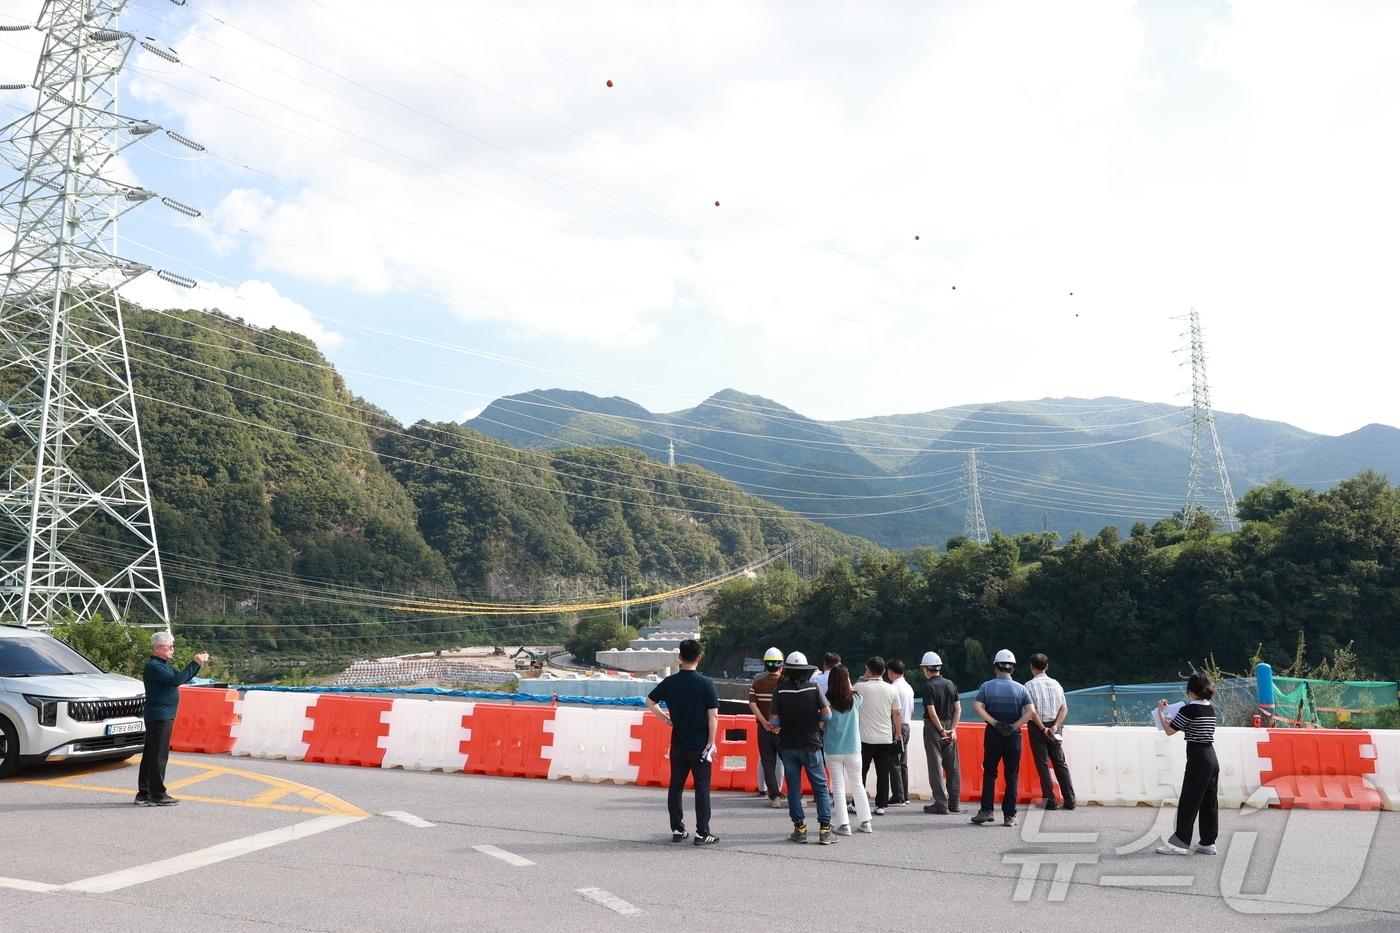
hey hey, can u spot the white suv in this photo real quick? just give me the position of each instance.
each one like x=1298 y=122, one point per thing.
x=56 y=705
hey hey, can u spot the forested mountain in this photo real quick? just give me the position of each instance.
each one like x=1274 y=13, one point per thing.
x=266 y=471
x=1067 y=464
x=1310 y=577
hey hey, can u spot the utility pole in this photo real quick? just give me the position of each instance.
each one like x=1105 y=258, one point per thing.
x=975 y=525
x=77 y=533
x=1207 y=480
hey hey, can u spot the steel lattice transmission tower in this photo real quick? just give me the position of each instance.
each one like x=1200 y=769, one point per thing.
x=1208 y=481
x=975 y=525
x=77 y=533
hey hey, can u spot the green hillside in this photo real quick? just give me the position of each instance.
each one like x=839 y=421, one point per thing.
x=1066 y=464
x=266 y=471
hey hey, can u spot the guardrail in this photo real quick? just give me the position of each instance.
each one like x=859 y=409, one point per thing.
x=610 y=740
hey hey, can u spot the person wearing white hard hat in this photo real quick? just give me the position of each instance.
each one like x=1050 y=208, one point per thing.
x=1005 y=706
x=800 y=713
x=942 y=710
x=761 y=705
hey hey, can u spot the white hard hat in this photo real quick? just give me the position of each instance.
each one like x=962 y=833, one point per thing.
x=931 y=659
x=772 y=654
x=1004 y=656
x=797 y=659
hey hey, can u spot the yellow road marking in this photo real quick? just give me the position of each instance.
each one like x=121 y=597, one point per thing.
x=277 y=788
x=192 y=779
x=271 y=795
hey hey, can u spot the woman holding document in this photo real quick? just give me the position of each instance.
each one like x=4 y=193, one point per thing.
x=1195 y=718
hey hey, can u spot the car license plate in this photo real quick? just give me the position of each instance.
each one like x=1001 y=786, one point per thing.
x=124 y=728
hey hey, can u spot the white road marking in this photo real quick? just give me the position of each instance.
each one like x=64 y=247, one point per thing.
x=509 y=857
x=1146 y=881
x=115 y=881
x=408 y=818
x=19 y=884
x=610 y=901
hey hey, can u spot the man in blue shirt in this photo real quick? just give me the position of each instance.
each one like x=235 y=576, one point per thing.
x=1005 y=706
x=162 y=702
x=692 y=711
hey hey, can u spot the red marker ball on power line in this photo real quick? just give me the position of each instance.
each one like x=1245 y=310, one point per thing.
x=916 y=236
x=610 y=82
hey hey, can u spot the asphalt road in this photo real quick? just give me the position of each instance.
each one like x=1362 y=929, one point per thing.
x=274 y=845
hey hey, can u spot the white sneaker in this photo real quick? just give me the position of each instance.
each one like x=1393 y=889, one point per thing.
x=878 y=811
x=850 y=808
x=844 y=829
x=1171 y=848
x=1203 y=850
x=866 y=827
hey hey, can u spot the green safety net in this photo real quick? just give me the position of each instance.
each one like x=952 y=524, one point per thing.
x=1328 y=704
x=1132 y=704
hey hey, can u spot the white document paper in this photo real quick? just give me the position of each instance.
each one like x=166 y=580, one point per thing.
x=1160 y=717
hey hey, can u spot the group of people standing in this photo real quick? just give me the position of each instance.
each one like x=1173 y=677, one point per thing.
x=819 y=721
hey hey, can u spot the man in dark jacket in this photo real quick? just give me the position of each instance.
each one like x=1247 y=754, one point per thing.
x=162 y=701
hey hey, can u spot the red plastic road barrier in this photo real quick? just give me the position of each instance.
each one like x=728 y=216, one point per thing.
x=970 y=738
x=736 y=754
x=346 y=730
x=1320 y=769
x=653 y=759
x=507 y=740
x=205 y=720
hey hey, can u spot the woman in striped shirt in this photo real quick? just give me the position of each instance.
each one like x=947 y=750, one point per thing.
x=1198 y=788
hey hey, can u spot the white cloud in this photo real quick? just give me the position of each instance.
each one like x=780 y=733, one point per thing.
x=1237 y=159
x=257 y=303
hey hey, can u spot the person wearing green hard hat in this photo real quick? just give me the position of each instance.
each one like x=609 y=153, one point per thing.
x=761 y=705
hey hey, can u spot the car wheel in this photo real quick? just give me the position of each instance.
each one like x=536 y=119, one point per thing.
x=9 y=748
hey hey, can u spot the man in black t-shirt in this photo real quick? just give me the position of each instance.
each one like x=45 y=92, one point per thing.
x=692 y=711
x=941 y=712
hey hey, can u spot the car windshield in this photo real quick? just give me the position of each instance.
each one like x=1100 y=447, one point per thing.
x=39 y=657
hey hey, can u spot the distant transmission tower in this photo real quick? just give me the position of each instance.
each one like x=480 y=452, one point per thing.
x=975 y=526
x=671 y=455
x=1207 y=481
x=78 y=535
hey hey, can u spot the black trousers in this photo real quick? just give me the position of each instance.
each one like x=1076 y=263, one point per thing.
x=684 y=763
x=150 y=781
x=1004 y=750
x=768 y=757
x=899 y=766
x=1049 y=752
x=1198 y=795
x=882 y=753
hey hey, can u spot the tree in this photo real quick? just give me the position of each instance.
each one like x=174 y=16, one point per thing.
x=601 y=631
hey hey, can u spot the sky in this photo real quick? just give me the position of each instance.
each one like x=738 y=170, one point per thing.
x=919 y=204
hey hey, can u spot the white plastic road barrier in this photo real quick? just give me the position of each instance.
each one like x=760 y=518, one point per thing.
x=919 y=787
x=425 y=735
x=1387 y=776
x=1111 y=766
x=593 y=745
x=1123 y=765
x=271 y=725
